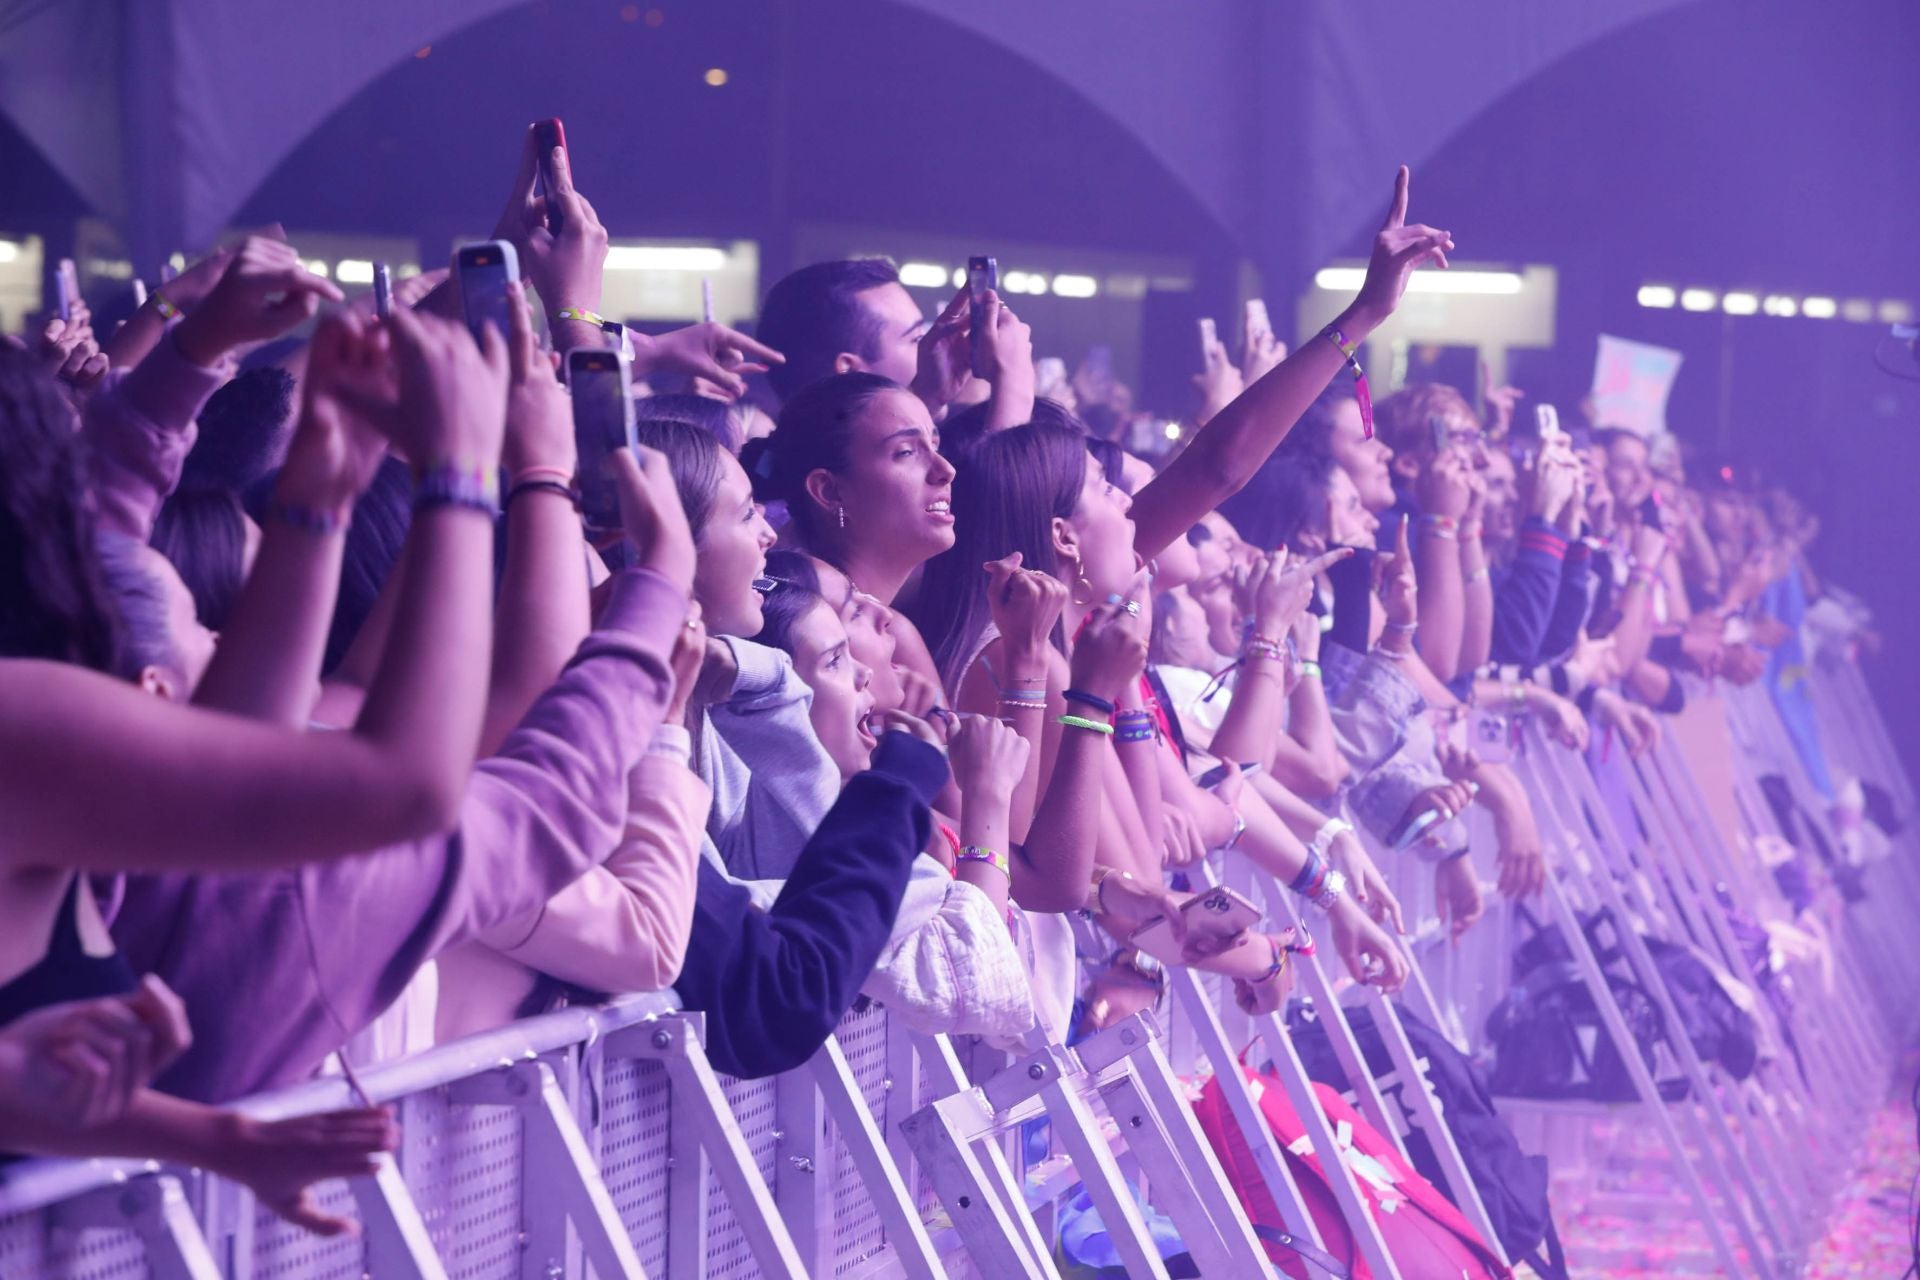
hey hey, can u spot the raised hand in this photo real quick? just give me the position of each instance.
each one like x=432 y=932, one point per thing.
x=449 y=401
x=1282 y=597
x=335 y=450
x=263 y=293
x=651 y=513
x=1398 y=250
x=1501 y=401
x=1005 y=342
x=1369 y=886
x=928 y=731
x=946 y=358
x=1260 y=351
x=711 y=352
x=1110 y=653
x=1024 y=603
x=564 y=268
x=81 y=1063
x=1219 y=382
x=1370 y=955
x=190 y=288
x=67 y=349
x=988 y=759
x=1399 y=587
x=539 y=412
x=1445 y=486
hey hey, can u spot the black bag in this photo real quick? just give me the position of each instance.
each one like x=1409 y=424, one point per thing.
x=1511 y=1183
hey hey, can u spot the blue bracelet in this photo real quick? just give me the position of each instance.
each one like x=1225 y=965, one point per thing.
x=455 y=484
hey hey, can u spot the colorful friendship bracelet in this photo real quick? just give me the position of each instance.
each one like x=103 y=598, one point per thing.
x=310 y=519
x=581 y=315
x=1440 y=526
x=1081 y=722
x=998 y=861
x=158 y=301
x=566 y=491
x=457 y=484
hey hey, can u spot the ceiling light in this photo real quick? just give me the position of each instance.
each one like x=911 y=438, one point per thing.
x=1349 y=279
x=1072 y=286
x=1818 y=308
x=1779 y=304
x=1740 y=304
x=1698 y=299
x=923 y=275
x=664 y=257
x=353 y=271
x=1657 y=295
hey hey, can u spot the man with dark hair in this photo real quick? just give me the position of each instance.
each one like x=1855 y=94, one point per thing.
x=855 y=315
x=244 y=430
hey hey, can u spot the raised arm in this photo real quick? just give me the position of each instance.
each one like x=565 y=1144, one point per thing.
x=1226 y=452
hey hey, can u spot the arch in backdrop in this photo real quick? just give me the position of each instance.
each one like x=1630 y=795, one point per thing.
x=165 y=115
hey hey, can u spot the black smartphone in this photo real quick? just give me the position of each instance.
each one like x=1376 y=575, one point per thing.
x=1212 y=777
x=382 y=290
x=1650 y=511
x=549 y=135
x=485 y=270
x=983 y=274
x=1437 y=430
x=601 y=379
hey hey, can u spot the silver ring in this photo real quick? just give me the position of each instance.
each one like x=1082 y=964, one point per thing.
x=1132 y=607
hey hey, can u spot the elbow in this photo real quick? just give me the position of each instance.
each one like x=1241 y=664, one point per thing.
x=433 y=804
x=1321 y=779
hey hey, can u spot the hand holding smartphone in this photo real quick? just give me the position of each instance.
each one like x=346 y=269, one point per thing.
x=1218 y=913
x=1209 y=339
x=66 y=285
x=601 y=379
x=983 y=276
x=382 y=290
x=485 y=270
x=549 y=136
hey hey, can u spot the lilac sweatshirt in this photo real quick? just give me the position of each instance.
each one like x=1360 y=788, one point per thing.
x=282 y=968
x=139 y=427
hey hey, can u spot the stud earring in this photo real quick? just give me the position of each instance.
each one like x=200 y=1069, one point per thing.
x=843 y=517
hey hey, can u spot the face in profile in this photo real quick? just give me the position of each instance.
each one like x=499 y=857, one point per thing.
x=732 y=552
x=898 y=326
x=1499 y=520
x=841 y=684
x=1102 y=534
x=1366 y=462
x=869 y=627
x=1349 y=523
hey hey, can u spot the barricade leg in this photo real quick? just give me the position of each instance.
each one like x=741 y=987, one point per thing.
x=156 y=1210
x=397 y=1241
x=943 y=1136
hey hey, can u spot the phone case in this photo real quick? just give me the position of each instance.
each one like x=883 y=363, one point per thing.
x=1220 y=911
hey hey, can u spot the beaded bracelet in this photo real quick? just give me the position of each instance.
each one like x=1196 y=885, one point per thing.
x=1441 y=526
x=976 y=853
x=1103 y=705
x=1025 y=704
x=1273 y=970
x=314 y=520
x=580 y=315
x=454 y=484
x=1310 y=874
x=158 y=301
x=1470 y=528
x=1143 y=730
x=1081 y=722
x=1264 y=649
x=1349 y=352
x=1402 y=628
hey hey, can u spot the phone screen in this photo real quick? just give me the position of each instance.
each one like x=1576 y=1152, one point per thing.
x=983 y=274
x=67 y=286
x=602 y=423
x=382 y=290
x=1437 y=429
x=1209 y=337
x=485 y=272
x=547 y=135
x=1257 y=318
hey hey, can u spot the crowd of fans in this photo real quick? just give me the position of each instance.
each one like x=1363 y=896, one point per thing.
x=329 y=734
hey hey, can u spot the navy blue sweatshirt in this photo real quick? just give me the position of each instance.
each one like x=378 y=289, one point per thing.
x=774 y=984
x=1524 y=597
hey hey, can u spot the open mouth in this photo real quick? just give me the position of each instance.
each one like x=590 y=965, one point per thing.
x=941 y=509
x=867 y=726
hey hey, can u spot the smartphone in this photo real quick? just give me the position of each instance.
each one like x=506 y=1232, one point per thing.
x=1546 y=424
x=382 y=290
x=1209 y=338
x=1257 y=318
x=1650 y=511
x=1212 y=777
x=139 y=293
x=1437 y=431
x=1220 y=913
x=706 y=300
x=66 y=285
x=547 y=135
x=601 y=379
x=485 y=270
x=982 y=274
x=1049 y=374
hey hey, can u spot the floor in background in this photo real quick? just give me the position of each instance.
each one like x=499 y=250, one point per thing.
x=1624 y=1216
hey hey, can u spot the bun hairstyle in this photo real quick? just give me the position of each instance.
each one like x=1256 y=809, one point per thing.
x=693 y=460
x=814 y=433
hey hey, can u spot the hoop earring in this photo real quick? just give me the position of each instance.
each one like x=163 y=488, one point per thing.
x=1080 y=580
x=843 y=517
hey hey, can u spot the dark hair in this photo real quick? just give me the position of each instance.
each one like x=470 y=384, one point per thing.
x=715 y=417
x=1295 y=501
x=140 y=601
x=967 y=428
x=1112 y=459
x=693 y=459
x=1004 y=500
x=57 y=606
x=381 y=518
x=204 y=533
x=243 y=431
x=815 y=432
x=796 y=591
x=815 y=313
x=1607 y=437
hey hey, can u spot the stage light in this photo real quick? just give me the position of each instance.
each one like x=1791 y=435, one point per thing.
x=1349 y=279
x=1657 y=295
x=715 y=77
x=1698 y=299
x=1818 y=308
x=1171 y=431
x=1740 y=304
x=923 y=275
x=1779 y=304
x=8 y=251
x=1071 y=286
x=1858 y=310
x=959 y=277
x=353 y=271
x=664 y=257
x=1023 y=282
x=315 y=266
x=1893 y=311
x=406 y=271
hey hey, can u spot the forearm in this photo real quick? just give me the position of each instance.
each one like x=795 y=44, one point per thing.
x=1011 y=404
x=1476 y=638
x=542 y=612
x=1224 y=454
x=1252 y=722
x=129 y=345
x=267 y=664
x=984 y=825
x=426 y=701
x=1059 y=851
x=1442 y=599
x=1140 y=769
x=154 y=1127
